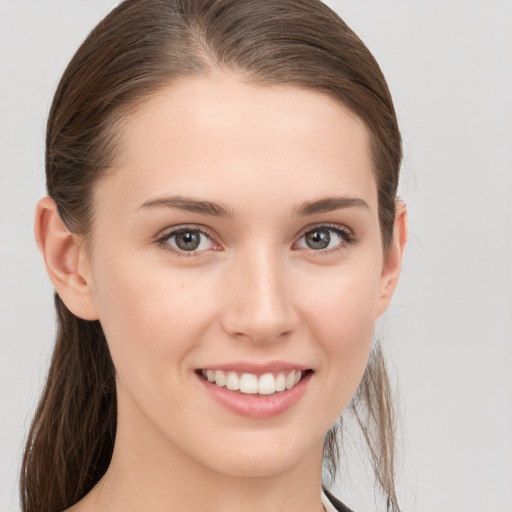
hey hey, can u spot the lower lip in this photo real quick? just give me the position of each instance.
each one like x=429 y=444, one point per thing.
x=257 y=406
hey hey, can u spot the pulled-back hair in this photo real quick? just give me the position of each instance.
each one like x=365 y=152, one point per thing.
x=141 y=47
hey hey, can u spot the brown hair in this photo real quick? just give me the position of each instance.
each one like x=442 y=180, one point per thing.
x=140 y=47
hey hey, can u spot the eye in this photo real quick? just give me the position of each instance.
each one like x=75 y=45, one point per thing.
x=186 y=240
x=325 y=238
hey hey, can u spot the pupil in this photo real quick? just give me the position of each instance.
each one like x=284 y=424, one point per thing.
x=188 y=240
x=318 y=239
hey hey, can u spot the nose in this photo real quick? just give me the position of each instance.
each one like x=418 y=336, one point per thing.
x=258 y=303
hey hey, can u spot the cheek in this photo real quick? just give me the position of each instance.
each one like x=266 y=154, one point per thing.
x=149 y=315
x=342 y=302
x=341 y=316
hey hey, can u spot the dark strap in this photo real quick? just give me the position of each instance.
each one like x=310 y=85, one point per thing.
x=336 y=502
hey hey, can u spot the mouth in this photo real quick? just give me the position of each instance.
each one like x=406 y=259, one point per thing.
x=271 y=383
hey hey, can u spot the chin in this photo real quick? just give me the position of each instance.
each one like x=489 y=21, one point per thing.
x=259 y=459
x=256 y=467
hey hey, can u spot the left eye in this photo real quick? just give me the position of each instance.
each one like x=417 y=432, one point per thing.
x=323 y=238
x=188 y=240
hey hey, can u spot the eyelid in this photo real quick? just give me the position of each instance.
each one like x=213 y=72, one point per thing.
x=163 y=236
x=161 y=239
x=346 y=233
x=328 y=225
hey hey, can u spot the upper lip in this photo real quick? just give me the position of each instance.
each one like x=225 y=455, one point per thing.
x=257 y=368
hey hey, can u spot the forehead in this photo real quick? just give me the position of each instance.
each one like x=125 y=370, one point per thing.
x=220 y=136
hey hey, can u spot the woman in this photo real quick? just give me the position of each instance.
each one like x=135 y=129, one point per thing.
x=222 y=232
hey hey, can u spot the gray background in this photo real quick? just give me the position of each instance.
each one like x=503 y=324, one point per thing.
x=449 y=329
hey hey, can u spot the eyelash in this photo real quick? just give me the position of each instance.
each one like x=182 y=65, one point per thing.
x=163 y=241
x=344 y=233
x=347 y=236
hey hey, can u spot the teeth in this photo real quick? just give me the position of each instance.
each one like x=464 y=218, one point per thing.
x=249 y=383
x=267 y=384
x=232 y=381
x=280 y=382
x=220 y=378
x=290 y=380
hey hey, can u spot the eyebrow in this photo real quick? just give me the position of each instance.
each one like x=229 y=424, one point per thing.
x=189 y=205
x=323 y=205
x=329 y=204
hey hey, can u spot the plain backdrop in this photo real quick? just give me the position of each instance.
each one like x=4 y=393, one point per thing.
x=449 y=329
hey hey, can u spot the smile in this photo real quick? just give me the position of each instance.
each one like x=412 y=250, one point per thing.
x=256 y=391
x=252 y=384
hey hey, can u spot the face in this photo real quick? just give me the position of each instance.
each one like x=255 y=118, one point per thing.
x=236 y=245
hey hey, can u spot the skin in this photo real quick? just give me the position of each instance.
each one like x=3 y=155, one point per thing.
x=255 y=291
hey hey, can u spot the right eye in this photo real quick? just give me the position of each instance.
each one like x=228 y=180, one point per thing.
x=186 y=241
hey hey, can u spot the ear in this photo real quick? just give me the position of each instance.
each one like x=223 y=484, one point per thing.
x=66 y=260
x=393 y=257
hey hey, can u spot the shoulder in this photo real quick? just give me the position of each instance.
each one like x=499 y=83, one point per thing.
x=336 y=503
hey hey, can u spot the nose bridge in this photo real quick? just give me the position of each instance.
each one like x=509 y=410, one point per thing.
x=259 y=303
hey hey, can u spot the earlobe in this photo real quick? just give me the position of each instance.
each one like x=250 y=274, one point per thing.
x=393 y=257
x=65 y=259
